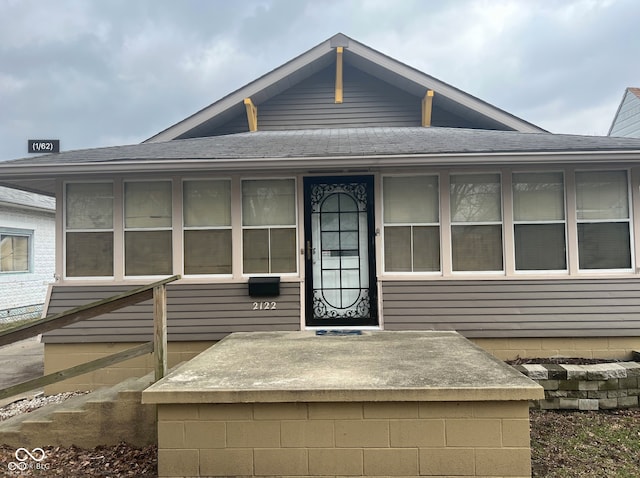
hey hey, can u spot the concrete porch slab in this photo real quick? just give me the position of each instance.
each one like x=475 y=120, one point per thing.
x=263 y=367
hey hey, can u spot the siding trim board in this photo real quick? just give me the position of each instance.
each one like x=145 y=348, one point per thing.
x=516 y=308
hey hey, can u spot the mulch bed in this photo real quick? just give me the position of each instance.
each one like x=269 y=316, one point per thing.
x=117 y=461
x=602 y=444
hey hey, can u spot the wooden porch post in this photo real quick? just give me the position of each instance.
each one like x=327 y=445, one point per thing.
x=160 y=330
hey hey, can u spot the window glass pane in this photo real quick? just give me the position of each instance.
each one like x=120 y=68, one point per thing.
x=147 y=204
x=207 y=203
x=255 y=251
x=426 y=248
x=604 y=245
x=207 y=252
x=476 y=248
x=602 y=195
x=538 y=196
x=411 y=199
x=397 y=249
x=14 y=253
x=268 y=202
x=89 y=254
x=475 y=198
x=89 y=206
x=148 y=253
x=540 y=247
x=283 y=250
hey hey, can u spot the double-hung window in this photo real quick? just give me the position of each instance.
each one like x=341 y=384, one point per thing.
x=89 y=229
x=476 y=222
x=411 y=224
x=147 y=228
x=15 y=250
x=269 y=226
x=602 y=199
x=539 y=221
x=207 y=226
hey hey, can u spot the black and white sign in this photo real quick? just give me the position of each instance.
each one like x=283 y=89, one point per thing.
x=43 y=145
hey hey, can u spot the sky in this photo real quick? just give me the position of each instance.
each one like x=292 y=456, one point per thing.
x=95 y=73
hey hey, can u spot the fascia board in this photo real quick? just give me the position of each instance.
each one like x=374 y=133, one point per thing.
x=231 y=100
x=441 y=88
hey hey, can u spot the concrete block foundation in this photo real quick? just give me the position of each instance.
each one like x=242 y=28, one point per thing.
x=316 y=439
x=378 y=404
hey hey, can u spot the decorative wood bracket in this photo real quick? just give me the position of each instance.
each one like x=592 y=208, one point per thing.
x=252 y=114
x=339 y=74
x=427 y=103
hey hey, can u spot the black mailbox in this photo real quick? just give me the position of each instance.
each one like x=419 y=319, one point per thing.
x=264 y=286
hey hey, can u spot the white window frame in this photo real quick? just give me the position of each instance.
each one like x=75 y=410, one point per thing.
x=411 y=225
x=28 y=234
x=628 y=220
x=185 y=228
x=66 y=230
x=294 y=226
x=452 y=223
x=565 y=221
x=126 y=229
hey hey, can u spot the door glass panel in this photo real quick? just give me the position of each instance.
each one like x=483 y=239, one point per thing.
x=330 y=242
x=349 y=221
x=339 y=251
x=348 y=241
x=330 y=221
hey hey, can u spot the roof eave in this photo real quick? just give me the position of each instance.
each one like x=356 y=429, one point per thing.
x=27 y=207
x=319 y=163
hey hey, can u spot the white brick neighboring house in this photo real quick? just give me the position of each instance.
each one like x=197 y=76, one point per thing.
x=27 y=252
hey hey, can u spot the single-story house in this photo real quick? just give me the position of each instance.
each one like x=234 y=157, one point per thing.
x=353 y=192
x=626 y=121
x=27 y=253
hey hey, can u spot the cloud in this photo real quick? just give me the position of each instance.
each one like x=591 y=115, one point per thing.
x=93 y=72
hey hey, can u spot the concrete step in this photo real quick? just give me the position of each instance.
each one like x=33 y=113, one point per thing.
x=102 y=417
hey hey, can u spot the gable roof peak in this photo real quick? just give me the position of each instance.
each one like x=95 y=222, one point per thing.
x=339 y=39
x=369 y=61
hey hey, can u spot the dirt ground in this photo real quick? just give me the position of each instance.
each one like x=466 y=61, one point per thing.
x=564 y=445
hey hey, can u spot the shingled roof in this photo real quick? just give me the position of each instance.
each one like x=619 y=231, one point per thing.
x=318 y=149
x=348 y=142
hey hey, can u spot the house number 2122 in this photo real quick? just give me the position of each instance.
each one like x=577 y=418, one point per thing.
x=264 y=305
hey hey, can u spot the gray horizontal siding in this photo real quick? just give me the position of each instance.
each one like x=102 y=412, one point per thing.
x=367 y=102
x=515 y=308
x=195 y=312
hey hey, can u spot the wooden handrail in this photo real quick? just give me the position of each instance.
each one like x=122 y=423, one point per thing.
x=156 y=291
x=82 y=313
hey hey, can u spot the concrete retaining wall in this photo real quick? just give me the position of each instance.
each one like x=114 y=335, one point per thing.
x=586 y=387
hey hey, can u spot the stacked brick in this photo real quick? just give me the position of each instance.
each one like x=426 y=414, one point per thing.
x=585 y=387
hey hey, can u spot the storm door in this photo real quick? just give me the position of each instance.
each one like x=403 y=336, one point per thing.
x=340 y=251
